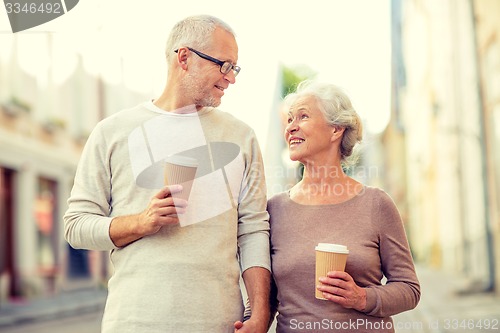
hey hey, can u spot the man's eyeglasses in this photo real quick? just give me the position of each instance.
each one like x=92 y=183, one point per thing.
x=225 y=66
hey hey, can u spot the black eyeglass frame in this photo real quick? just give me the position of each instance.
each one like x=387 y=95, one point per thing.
x=236 y=69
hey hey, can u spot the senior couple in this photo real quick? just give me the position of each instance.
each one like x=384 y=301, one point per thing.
x=177 y=264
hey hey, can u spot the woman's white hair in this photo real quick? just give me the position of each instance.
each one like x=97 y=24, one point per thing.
x=195 y=32
x=337 y=109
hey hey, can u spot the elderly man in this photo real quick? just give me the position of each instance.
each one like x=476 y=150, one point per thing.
x=177 y=262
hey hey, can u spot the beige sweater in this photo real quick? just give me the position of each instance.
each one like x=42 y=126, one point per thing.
x=371 y=227
x=183 y=278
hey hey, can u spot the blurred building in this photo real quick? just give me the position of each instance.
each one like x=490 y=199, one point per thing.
x=46 y=115
x=440 y=156
x=281 y=172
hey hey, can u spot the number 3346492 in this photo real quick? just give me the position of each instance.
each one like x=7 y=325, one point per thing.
x=33 y=8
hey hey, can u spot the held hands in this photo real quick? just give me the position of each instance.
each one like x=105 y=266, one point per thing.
x=162 y=210
x=250 y=326
x=339 y=287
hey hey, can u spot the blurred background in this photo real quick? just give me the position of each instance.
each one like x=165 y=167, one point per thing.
x=423 y=74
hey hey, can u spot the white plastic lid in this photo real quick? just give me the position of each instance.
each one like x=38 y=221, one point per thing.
x=326 y=247
x=182 y=160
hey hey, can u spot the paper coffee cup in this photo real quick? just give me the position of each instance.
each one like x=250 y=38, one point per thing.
x=329 y=257
x=180 y=170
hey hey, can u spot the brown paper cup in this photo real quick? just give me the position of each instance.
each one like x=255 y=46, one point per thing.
x=180 y=170
x=329 y=257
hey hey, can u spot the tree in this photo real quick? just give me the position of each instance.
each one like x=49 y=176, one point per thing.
x=292 y=76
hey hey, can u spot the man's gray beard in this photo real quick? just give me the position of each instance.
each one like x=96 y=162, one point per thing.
x=190 y=85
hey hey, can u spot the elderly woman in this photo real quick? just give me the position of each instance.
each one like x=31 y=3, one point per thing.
x=328 y=206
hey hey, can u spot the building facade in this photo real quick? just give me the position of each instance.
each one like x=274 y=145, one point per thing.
x=46 y=115
x=439 y=144
x=487 y=28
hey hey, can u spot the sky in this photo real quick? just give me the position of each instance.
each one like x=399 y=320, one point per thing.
x=346 y=42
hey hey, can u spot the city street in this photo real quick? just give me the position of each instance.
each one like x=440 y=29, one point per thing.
x=422 y=79
x=86 y=323
x=448 y=305
x=445 y=306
